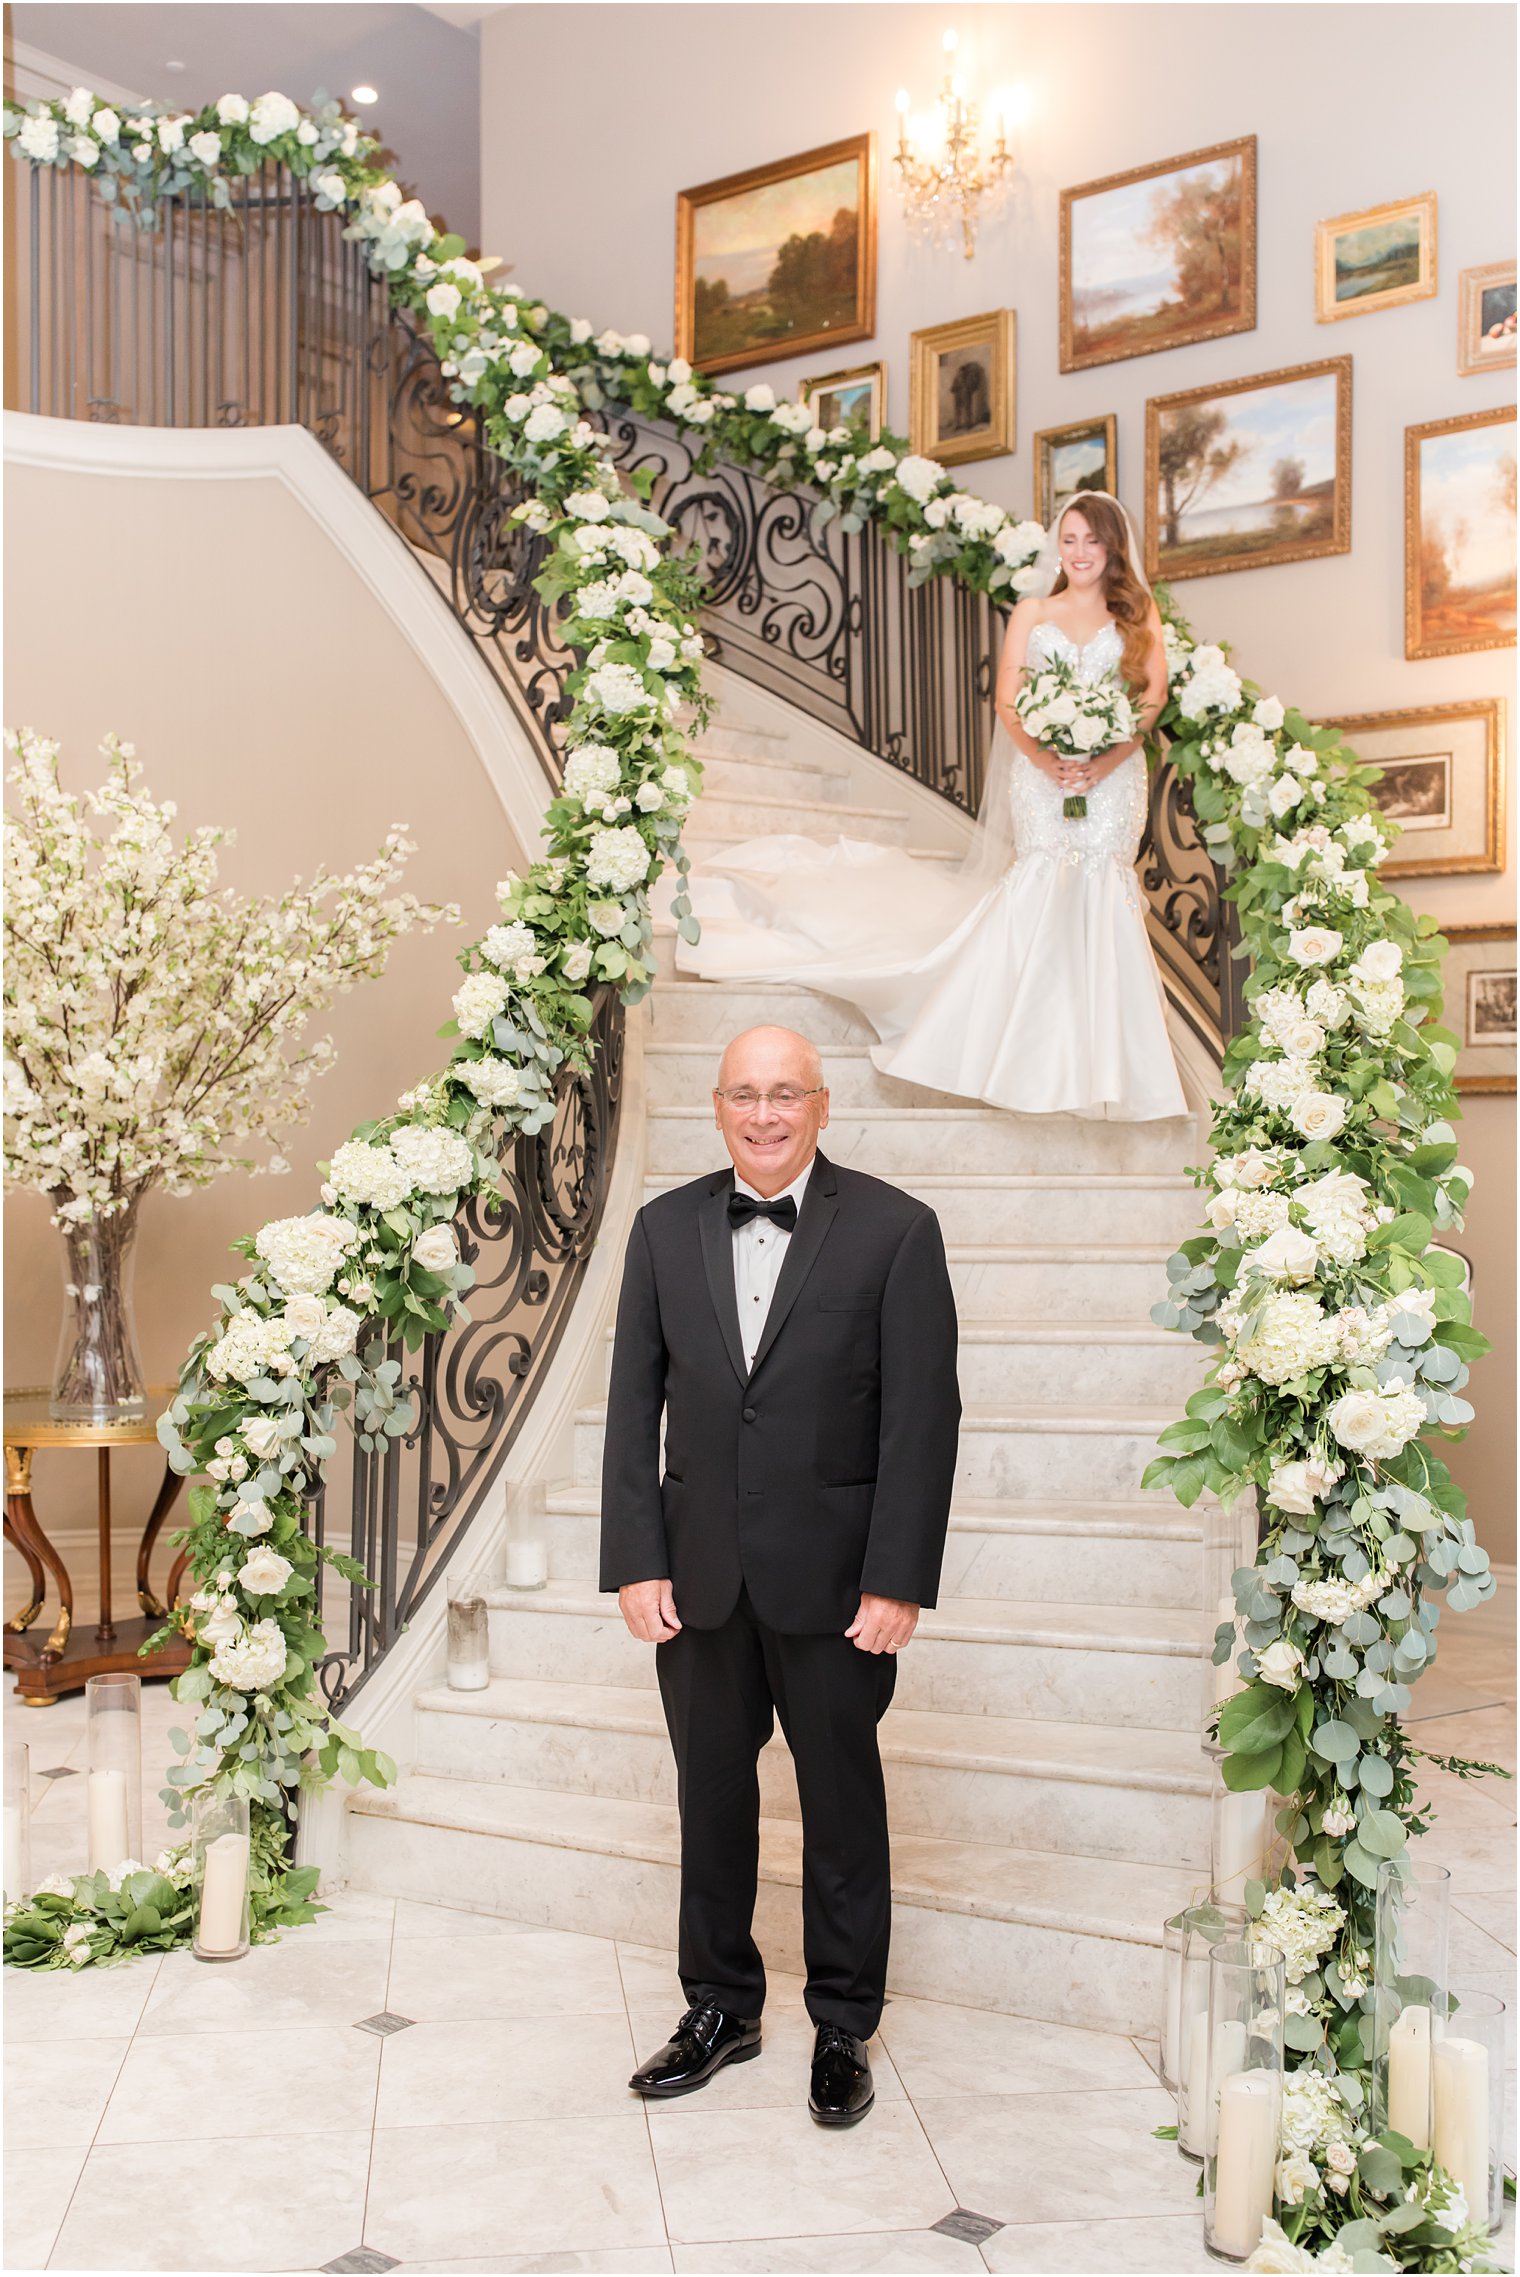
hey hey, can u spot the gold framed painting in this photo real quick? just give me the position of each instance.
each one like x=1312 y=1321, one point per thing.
x=1159 y=257
x=779 y=260
x=1486 y=319
x=961 y=388
x=1377 y=259
x=1082 y=456
x=1479 y=974
x=1249 y=473
x=855 y=399
x=1443 y=784
x=1459 y=534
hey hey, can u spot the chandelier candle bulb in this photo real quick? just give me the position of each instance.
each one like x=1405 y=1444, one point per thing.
x=1409 y=2075
x=1245 y=2162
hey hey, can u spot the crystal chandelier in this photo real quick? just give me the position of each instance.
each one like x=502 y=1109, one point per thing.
x=941 y=169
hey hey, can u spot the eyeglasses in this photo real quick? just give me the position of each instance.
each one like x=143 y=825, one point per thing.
x=786 y=1100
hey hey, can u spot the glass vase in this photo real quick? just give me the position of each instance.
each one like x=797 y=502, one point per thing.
x=16 y=1809
x=468 y=1649
x=1243 y=2094
x=113 y=1797
x=1412 y=1934
x=1205 y=1925
x=219 y=1859
x=1467 y=2077
x=98 y=1377
x=1240 y=1834
x=1229 y=1542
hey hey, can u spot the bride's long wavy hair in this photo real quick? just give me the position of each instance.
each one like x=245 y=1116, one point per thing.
x=1128 y=602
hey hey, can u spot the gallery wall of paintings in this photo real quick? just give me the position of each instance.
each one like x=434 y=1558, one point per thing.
x=1265 y=293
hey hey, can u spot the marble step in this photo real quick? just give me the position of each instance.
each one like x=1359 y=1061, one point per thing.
x=1006 y=1451
x=691 y=1011
x=1067 y=1940
x=1118 y=1553
x=1090 y=1790
x=724 y=776
x=738 y=738
x=1085 y=1663
x=893 y=1144
x=1050 y=1208
x=682 y=1075
x=723 y=818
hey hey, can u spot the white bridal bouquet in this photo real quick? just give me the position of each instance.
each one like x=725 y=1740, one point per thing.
x=1075 y=718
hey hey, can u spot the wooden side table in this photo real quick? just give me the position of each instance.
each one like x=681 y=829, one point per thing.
x=66 y=1659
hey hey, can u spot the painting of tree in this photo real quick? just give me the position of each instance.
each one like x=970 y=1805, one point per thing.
x=1460 y=534
x=779 y=259
x=1160 y=257
x=1249 y=473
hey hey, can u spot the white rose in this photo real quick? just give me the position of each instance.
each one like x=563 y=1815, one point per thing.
x=222 y=1624
x=171 y=135
x=250 y=1518
x=1268 y=713
x=436 y=1250
x=271 y=116
x=760 y=397
x=1284 y=795
x=261 y=1436
x=1296 y=2174
x=263 y=1573
x=1301 y=1039
x=39 y=136
x=1318 y=1114
x=232 y=110
x=1297 y=1486
x=575 y=964
x=304 y=1316
x=1314 y=944
x=106 y=123
x=1280 y=1665
x=1088 y=734
x=1287 y=1255
x=78 y=105
x=207 y=148
x=918 y=476
x=443 y=299
x=1380 y=960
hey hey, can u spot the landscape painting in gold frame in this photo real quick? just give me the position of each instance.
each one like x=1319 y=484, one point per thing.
x=961 y=388
x=1486 y=319
x=1081 y=456
x=856 y=399
x=1159 y=257
x=1443 y=784
x=779 y=260
x=1377 y=259
x=1249 y=473
x=1459 y=534
x=1478 y=974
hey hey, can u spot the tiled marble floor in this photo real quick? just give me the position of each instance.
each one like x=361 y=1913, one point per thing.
x=495 y=2132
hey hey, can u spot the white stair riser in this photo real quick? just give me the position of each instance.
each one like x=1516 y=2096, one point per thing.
x=724 y=776
x=998 y=1463
x=1056 y=1568
x=1057 y=1289
x=1078 y=1374
x=1055 y=1975
x=679 y=1078
x=895 y=1146
x=1029 y=1810
x=738 y=741
x=1054 y=1682
x=705 y=1012
x=725 y=821
x=1128 y=1216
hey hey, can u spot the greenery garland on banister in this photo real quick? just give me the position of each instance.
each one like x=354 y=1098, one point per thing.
x=1342 y=1329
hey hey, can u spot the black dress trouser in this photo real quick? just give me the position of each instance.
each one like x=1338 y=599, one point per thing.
x=720 y=1688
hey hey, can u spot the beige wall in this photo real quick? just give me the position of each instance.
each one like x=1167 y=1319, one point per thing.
x=217 y=626
x=1345 y=118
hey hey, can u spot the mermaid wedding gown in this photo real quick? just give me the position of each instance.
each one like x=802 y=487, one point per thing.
x=1034 y=989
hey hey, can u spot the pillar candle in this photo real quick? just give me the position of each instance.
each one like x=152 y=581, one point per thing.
x=527 y=1565
x=107 y=1810
x=1459 y=2069
x=1194 y=2045
x=220 y=1926
x=1409 y=2074
x=1171 y=2048
x=12 y=1878
x=1246 y=2161
x=1226 y=1680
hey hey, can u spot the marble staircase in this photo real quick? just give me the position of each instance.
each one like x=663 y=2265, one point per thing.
x=1049 y=1801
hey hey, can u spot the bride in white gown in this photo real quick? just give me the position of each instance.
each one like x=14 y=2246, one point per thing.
x=1022 y=976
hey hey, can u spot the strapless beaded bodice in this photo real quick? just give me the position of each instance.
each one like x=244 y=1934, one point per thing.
x=1110 y=830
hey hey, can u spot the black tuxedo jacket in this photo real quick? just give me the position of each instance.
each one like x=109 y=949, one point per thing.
x=826 y=1470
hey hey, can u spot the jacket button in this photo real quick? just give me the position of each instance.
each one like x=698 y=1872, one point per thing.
x=749 y=1415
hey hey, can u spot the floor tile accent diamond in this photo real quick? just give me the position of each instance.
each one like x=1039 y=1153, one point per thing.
x=364 y=2261
x=383 y=2026
x=973 y=2229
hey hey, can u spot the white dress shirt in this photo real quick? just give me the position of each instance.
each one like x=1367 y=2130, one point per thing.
x=759 y=1248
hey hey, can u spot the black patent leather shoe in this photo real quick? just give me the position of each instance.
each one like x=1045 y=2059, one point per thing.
x=704 y=2041
x=841 y=2092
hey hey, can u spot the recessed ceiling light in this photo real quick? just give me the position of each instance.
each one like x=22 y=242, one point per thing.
x=174 y=64
x=365 y=94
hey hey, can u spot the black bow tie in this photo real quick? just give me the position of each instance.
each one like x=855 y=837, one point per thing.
x=743 y=1207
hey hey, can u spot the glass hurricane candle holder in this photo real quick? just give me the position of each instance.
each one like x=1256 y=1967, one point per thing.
x=1173 y=1943
x=1243 y=2094
x=1206 y=1925
x=1229 y=1542
x=1467 y=2074
x=219 y=1860
x=16 y=1806
x=468 y=1665
x=1410 y=1975
x=1240 y=1834
x=113 y=1787
x=528 y=1535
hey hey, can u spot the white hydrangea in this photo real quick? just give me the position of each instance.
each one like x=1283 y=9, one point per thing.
x=303 y=1254
x=511 y=947
x=1314 y=2113
x=617 y=859
x=1377 y=1004
x=1210 y=686
x=254 y=1661
x=39 y=136
x=618 y=688
x=1277 y=1082
x=920 y=477
x=1292 y=1335
x=1018 y=542
x=271 y=116
x=591 y=773
x=1303 y=1922
x=1335 y=1599
x=436 y=1161
x=478 y=1000
x=249 y=1347
x=368 y=1175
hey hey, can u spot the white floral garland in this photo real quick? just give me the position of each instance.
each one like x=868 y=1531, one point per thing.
x=1340 y=1321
